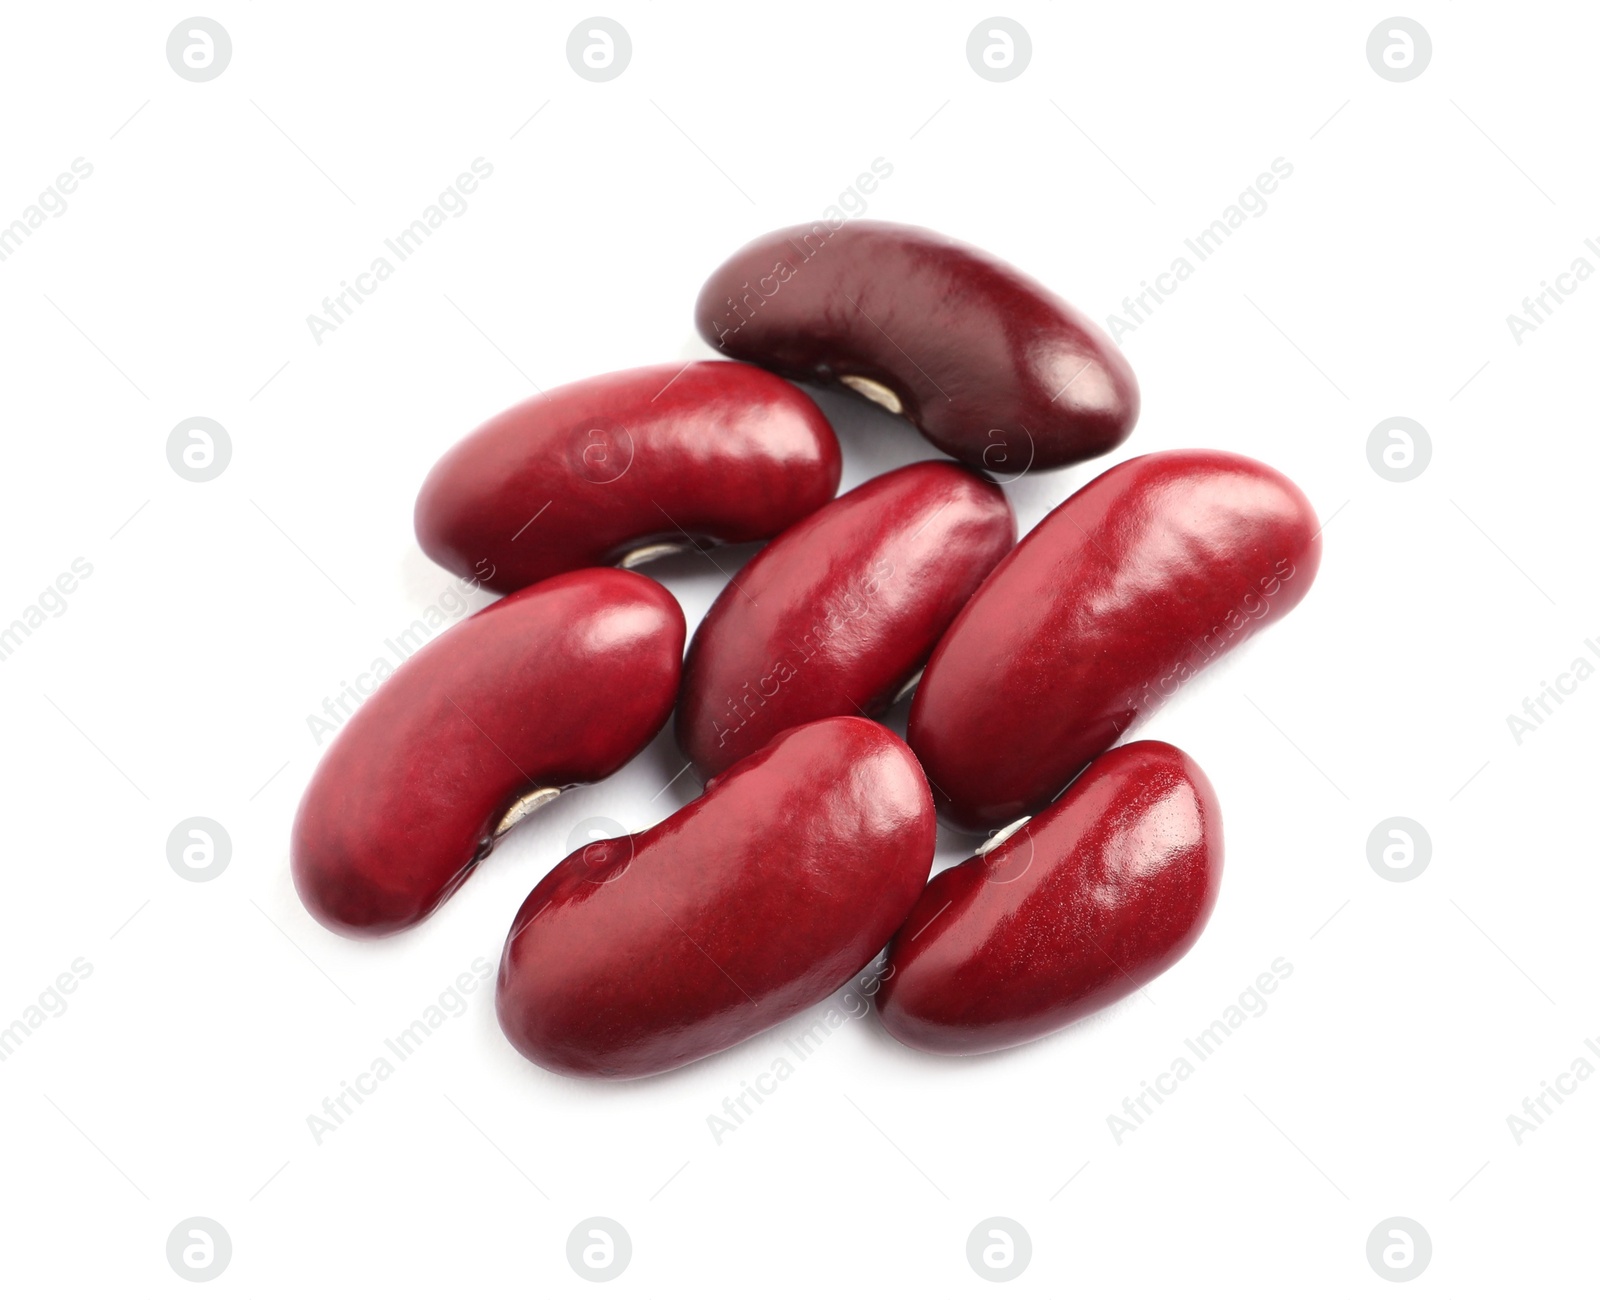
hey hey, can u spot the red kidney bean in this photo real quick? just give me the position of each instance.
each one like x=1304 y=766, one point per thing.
x=1088 y=901
x=1123 y=592
x=557 y=685
x=640 y=954
x=990 y=365
x=623 y=467
x=837 y=614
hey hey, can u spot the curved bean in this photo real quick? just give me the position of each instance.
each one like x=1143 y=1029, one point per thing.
x=625 y=467
x=1122 y=593
x=1088 y=901
x=639 y=954
x=990 y=365
x=841 y=611
x=557 y=685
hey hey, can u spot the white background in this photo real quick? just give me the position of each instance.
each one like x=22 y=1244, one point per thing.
x=178 y=680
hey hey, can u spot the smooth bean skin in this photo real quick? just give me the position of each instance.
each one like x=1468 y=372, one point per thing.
x=1119 y=595
x=595 y=470
x=841 y=610
x=640 y=954
x=557 y=685
x=992 y=367
x=1090 y=900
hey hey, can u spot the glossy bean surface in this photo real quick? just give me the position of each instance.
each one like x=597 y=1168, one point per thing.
x=639 y=954
x=557 y=685
x=1120 y=595
x=1087 y=902
x=625 y=466
x=991 y=366
x=837 y=614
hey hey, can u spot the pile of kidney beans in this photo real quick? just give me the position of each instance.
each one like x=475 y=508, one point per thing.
x=811 y=846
